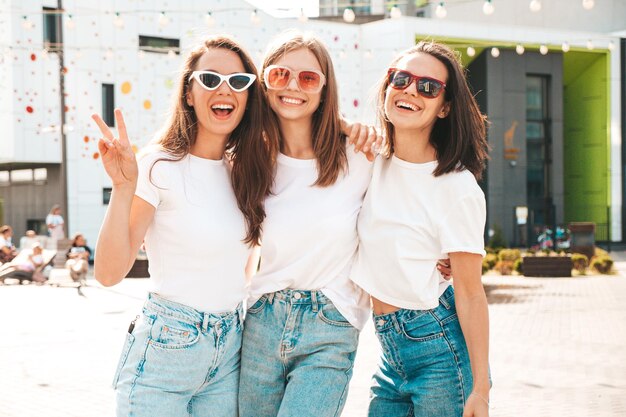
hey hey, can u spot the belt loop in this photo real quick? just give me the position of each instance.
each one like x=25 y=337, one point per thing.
x=240 y=314
x=270 y=297
x=396 y=323
x=314 y=300
x=444 y=302
x=205 y=322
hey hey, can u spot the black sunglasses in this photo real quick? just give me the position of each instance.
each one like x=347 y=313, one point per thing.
x=210 y=80
x=427 y=87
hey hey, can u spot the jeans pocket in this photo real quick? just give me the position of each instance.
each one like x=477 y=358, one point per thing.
x=329 y=314
x=422 y=329
x=130 y=339
x=171 y=333
x=258 y=306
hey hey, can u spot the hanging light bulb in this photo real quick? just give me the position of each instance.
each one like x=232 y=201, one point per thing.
x=27 y=24
x=611 y=45
x=78 y=54
x=118 y=22
x=535 y=6
x=395 y=12
x=69 y=23
x=209 y=20
x=348 y=15
x=369 y=54
x=141 y=54
x=488 y=7
x=543 y=49
x=342 y=54
x=163 y=20
x=109 y=53
x=303 y=18
x=590 y=44
x=520 y=49
x=495 y=52
x=441 y=11
x=565 y=46
x=254 y=17
x=171 y=54
x=471 y=51
x=588 y=4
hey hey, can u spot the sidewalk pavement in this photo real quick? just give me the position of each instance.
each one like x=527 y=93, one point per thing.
x=558 y=347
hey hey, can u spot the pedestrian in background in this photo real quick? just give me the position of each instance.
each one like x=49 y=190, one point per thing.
x=55 y=223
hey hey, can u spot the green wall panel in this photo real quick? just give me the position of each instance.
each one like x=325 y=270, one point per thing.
x=586 y=138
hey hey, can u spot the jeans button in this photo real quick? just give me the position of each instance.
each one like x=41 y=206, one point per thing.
x=297 y=296
x=380 y=322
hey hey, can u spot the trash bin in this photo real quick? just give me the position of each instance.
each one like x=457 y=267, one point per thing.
x=583 y=238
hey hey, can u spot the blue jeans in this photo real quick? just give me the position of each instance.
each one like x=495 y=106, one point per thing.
x=179 y=362
x=425 y=367
x=297 y=356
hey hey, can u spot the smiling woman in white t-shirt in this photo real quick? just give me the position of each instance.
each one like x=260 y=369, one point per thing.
x=197 y=199
x=423 y=204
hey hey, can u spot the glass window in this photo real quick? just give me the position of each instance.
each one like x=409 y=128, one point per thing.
x=22 y=175
x=106 y=195
x=51 y=28
x=159 y=45
x=41 y=174
x=108 y=104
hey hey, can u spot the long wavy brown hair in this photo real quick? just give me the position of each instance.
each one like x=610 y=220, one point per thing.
x=251 y=154
x=329 y=144
x=459 y=138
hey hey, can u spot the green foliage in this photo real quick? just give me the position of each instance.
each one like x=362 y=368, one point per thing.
x=518 y=265
x=509 y=255
x=580 y=262
x=602 y=264
x=497 y=240
x=504 y=267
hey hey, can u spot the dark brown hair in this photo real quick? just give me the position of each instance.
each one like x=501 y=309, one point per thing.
x=252 y=155
x=329 y=144
x=459 y=138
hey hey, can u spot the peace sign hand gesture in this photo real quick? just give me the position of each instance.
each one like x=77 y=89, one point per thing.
x=118 y=157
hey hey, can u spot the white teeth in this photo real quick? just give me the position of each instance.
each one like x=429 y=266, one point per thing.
x=291 y=100
x=222 y=107
x=406 y=105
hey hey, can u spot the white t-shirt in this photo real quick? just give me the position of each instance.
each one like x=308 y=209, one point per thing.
x=195 y=243
x=409 y=220
x=309 y=234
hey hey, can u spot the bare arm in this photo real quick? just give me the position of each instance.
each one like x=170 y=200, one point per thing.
x=127 y=217
x=471 y=306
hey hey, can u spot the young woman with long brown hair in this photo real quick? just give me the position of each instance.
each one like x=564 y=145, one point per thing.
x=305 y=314
x=424 y=203
x=197 y=198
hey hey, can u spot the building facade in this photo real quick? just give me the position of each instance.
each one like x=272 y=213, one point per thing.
x=555 y=117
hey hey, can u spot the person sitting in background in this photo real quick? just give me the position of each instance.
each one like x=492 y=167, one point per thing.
x=29 y=240
x=7 y=250
x=31 y=268
x=78 y=258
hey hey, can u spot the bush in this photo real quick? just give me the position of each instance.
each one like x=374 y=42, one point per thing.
x=486 y=266
x=518 y=265
x=602 y=264
x=580 y=262
x=509 y=255
x=504 y=267
x=497 y=240
x=491 y=260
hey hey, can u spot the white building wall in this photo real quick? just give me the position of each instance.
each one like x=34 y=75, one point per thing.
x=360 y=54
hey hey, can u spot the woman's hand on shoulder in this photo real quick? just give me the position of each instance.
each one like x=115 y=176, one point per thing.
x=117 y=154
x=365 y=138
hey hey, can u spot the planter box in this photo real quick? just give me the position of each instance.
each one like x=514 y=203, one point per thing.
x=547 y=266
x=139 y=269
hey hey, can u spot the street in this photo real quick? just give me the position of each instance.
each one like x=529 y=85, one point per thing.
x=557 y=347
